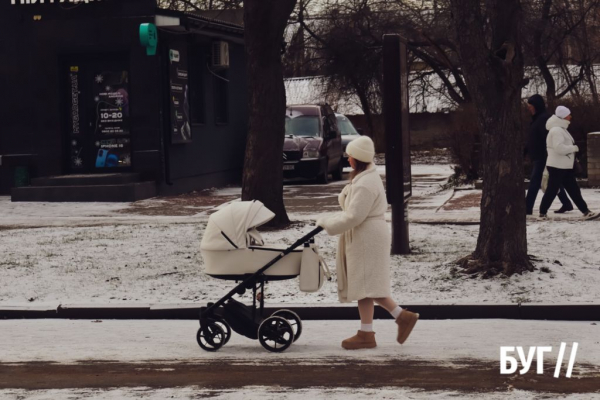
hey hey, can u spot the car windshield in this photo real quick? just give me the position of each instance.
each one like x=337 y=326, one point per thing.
x=302 y=125
x=346 y=126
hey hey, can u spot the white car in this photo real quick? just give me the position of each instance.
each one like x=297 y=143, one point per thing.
x=349 y=133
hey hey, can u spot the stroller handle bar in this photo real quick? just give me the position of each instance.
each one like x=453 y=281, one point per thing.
x=306 y=238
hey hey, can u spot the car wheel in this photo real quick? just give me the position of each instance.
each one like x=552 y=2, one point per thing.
x=339 y=172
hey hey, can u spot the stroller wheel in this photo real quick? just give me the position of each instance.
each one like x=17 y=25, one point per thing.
x=275 y=334
x=211 y=337
x=226 y=328
x=293 y=319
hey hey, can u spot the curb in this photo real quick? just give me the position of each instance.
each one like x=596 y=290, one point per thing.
x=579 y=312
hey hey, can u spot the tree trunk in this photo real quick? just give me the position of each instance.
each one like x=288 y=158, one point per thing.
x=494 y=76
x=265 y=22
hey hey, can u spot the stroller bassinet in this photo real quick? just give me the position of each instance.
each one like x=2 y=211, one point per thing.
x=233 y=249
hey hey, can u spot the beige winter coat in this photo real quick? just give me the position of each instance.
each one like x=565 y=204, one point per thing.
x=363 y=258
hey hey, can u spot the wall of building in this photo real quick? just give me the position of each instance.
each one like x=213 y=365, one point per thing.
x=34 y=38
x=215 y=155
x=427 y=130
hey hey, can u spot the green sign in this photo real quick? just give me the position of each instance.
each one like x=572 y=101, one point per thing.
x=149 y=38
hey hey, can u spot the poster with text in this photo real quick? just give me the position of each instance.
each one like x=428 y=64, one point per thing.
x=113 y=153
x=111 y=97
x=181 y=131
x=76 y=159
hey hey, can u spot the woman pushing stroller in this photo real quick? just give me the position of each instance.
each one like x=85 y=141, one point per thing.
x=363 y=257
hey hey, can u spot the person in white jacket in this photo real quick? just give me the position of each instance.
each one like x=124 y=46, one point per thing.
x=561 y=161
x=363 y=257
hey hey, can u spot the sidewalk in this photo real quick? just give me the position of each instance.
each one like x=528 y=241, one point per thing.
x=461 y=356
x=431 y=203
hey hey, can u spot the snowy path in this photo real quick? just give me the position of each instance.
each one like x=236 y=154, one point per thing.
x=279 y=393
x=72 y=341
x=57 y=359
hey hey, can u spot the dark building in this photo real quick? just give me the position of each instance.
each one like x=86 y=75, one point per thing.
x=88 y=114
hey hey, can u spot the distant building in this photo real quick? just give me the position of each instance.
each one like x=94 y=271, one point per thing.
x=87 y=114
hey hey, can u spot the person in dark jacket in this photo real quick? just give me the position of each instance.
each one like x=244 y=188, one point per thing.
x=536 y=150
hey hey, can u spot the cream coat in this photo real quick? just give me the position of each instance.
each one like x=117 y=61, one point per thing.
x=363 y=258
x=560 y=144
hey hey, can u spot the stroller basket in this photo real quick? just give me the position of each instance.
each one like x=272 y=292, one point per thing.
x=241 y=318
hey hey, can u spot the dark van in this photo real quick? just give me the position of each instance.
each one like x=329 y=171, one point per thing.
x=313 y=143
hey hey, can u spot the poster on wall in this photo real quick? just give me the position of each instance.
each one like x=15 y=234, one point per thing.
x=111 y=97
x=181 y=131
x=75 y=119
x=113 y=153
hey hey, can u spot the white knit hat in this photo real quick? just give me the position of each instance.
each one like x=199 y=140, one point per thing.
x=361 y=149
x=562 y=112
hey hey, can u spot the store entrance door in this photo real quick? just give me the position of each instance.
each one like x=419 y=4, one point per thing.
x=98 y=125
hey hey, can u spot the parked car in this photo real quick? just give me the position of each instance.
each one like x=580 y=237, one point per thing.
x=349 y=133
x=313 y=143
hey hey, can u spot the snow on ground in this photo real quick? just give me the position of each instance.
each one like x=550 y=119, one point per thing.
x=276 y=393
x=161 y=263
x=109 y=253
x=38 y=214
x=445 y=342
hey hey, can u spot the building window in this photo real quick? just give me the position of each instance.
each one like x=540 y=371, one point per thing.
x=197 y=68
x=221 y=96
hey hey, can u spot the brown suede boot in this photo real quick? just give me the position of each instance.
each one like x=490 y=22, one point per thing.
x=406 y=322
x=362 y=340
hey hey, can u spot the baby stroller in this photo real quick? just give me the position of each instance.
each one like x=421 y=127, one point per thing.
x=233 y=249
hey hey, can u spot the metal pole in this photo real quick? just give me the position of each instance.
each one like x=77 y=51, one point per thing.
x=397 y=155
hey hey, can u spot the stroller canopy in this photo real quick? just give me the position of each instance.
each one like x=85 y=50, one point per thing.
x=232 y=227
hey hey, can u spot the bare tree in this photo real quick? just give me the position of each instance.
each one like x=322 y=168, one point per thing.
x=489 y=43
x=265 y=22
x=345 y=39
x=199 y=5
x=560 y=41
x=559 y=35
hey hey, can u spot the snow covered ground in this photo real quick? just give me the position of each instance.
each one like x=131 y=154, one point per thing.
x=169 y=345
x=154 y=262
x=124 y=254
x=81 y=253
x=277 y=393
x=443 y=341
